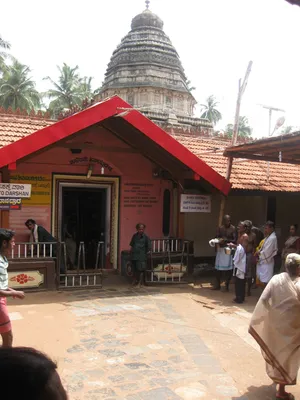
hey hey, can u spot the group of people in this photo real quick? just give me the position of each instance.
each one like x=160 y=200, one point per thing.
x=245 y=253
x=275 y=325
x=250 y=255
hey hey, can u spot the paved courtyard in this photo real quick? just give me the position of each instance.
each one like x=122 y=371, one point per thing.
x=162 y=343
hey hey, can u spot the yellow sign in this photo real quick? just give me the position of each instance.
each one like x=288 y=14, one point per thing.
x=40 y=188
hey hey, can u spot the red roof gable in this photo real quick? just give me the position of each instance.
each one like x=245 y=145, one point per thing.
x=98 y=113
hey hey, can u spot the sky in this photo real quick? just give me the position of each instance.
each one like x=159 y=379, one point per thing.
x=215 y=40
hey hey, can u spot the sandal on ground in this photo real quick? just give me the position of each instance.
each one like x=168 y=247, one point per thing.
x=287 y=396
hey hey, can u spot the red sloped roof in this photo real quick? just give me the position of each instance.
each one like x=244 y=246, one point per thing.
x=97 y=113
x=249 y=175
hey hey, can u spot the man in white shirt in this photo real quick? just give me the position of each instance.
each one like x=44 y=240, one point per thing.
x=265 y=265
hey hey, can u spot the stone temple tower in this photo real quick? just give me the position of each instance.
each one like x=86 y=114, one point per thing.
x=145 y=70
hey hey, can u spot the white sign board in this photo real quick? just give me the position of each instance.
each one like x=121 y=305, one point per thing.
x=195 y=203
x=15 y=190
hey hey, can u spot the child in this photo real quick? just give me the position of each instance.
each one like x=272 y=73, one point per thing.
x=6 y=244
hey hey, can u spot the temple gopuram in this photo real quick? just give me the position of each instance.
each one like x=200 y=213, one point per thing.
x=145 y=70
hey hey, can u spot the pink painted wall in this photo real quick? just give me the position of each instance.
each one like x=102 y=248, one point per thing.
x=135 y=172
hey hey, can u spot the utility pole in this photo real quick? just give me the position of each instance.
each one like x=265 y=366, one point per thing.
x=241 y=91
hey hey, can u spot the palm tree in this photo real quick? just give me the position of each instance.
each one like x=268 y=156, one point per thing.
x=244 y=129
x=17 y=89
x=86 y=88
x=69 y=91
x=210 y=111
x=3 y=45
x=189 y=86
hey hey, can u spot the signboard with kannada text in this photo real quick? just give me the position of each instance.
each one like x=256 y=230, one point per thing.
x=15 y=190
x=7 y=203
x=195 y=203
x=41 y=188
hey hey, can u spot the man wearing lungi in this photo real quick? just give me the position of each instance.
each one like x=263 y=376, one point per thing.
x=265 y=265
x=140 y=247
x=226 y=234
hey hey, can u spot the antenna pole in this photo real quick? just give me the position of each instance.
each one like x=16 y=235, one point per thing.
x=242 y=88
x=270 y=133
x=270 y=120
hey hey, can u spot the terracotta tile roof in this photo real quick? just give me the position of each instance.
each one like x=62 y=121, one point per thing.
x=15 y=126
x=246 y=174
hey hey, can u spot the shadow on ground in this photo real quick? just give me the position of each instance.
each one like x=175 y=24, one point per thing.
x=202 y=291
x=116 y=286
x=113 y=287
x=258 y=393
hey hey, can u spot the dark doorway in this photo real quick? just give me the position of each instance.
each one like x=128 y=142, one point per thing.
x=83 y=220
x=271 y=209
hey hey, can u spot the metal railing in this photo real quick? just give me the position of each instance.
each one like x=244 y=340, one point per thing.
x=174 y=254
x=80 y=276
x=173 y=245
x=23 y=250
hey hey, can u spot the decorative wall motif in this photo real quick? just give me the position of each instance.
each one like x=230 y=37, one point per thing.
x=27 y=279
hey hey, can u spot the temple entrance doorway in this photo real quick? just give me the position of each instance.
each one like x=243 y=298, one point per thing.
x=83 y=225
x=85 y=220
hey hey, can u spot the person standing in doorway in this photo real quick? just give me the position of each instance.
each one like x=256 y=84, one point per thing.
x=140 y=248
x=226 y=234
x=6 y=244
x=71 y=247
x=265 y=265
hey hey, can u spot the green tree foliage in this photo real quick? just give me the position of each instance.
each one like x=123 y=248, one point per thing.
x=3 y=54
x=70 y=90
x=244 y=128
x=17 y=89
x=210 y=110
x=189 y=86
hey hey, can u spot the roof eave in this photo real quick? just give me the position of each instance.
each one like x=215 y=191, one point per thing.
x=98 y=113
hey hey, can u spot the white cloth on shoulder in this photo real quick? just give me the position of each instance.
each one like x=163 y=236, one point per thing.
x=275 y=325
x=239 y=262
x=265 y=266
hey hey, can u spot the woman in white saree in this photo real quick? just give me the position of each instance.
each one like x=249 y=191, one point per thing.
x=275 y=325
